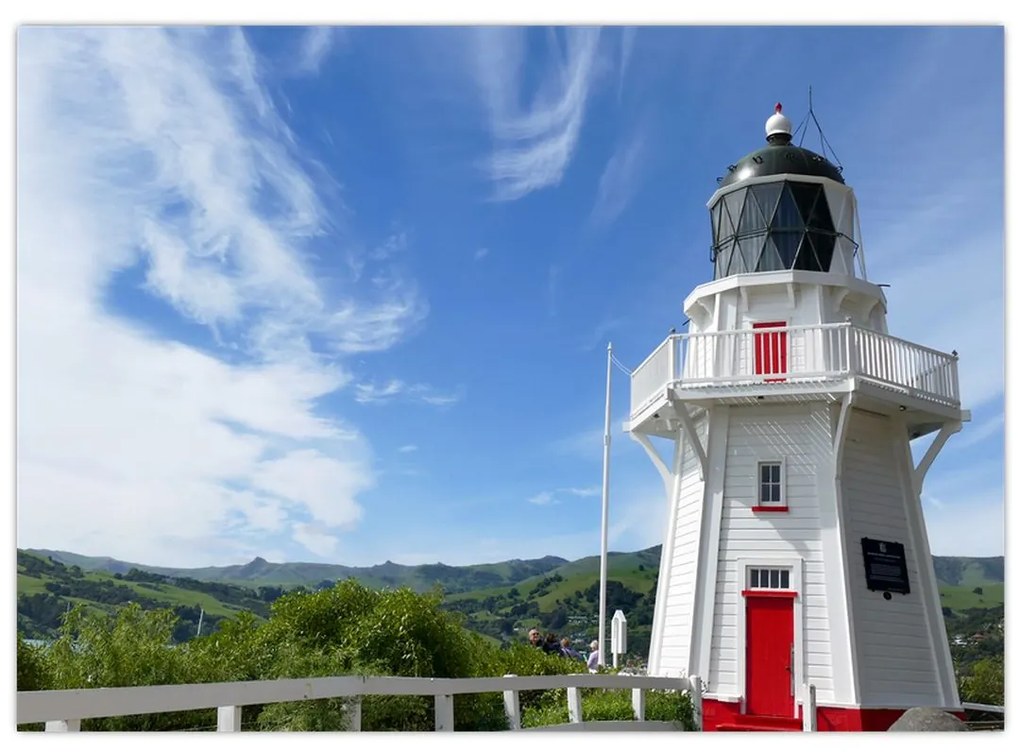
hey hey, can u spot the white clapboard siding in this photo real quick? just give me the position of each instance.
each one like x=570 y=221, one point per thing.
x=894 y=653
x=800 y=437
x=678 y=607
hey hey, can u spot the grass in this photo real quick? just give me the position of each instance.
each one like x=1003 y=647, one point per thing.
x=169 y=594
x=960 y=598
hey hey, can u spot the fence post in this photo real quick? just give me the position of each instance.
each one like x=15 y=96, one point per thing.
x=637 y=702
x=444 y=712
x=811 y=710
x=354 y=714
x=70 y=724
x=696 y=701
x=574 y=705
x=512 y=706
x=228 y=718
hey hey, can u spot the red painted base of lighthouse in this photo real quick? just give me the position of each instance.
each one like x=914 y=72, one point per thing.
x=721 y=716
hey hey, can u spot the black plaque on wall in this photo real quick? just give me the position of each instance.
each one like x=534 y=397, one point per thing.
x=885 y=566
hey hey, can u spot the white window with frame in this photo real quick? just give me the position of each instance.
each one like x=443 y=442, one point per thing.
x=771 y=484
x=768 y=578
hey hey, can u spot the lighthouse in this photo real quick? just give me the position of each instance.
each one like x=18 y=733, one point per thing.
x=796 y=578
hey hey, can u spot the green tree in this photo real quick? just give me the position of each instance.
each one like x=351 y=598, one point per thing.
x=986 y=682
x=131 y=648
x=353 y=629
x=33 y=671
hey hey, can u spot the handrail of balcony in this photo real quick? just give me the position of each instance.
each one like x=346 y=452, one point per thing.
x=63 y=710
x=807 y=352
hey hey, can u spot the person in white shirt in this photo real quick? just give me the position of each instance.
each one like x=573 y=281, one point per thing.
x=593 y=657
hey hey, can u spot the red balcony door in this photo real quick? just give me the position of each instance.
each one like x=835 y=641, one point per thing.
x=770 y=352
x=769 y=655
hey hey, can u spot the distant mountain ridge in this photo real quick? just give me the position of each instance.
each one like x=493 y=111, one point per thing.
x=957 y=571
x=498 y=600
x=258 y=571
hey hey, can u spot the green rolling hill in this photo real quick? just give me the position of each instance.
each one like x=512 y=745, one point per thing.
x=499 y=600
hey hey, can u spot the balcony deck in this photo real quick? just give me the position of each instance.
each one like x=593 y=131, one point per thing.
x=796 y=363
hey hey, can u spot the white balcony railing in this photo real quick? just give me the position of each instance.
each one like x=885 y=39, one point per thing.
x=791 y=354
x=64 y=710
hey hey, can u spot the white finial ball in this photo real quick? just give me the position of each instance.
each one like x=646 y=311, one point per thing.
x=778 y=123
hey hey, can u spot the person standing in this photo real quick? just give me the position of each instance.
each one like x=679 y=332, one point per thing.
x=593 y=657
x=537 y=641
x=568 y=651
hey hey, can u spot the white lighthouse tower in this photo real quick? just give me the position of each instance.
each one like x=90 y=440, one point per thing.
x=795 y=563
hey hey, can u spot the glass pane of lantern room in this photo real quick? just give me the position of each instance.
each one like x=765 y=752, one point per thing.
x=751 y=219
x=805 y=196
x=824 y=244
x=787 y=243
x=737 y=264
x=770 y=259
x=843 y=257
x=768 y=196
x=821 y=218
x=806 y=259
x=751 y=246
x=722 y=259
x=735 y=203
x=787 y=216
x=725 y=222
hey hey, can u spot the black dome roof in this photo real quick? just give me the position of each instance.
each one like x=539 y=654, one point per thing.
x=775 y=159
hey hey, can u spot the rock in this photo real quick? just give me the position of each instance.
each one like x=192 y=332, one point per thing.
x=928 y=719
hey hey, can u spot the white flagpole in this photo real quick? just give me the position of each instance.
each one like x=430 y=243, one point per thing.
x=605 y=512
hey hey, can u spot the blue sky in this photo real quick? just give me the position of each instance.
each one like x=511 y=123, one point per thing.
x=343 y=294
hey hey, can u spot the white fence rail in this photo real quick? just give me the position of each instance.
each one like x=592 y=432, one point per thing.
x=64 y=710
x=791 y=354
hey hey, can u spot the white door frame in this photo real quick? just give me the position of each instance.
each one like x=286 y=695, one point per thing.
x=796 y=566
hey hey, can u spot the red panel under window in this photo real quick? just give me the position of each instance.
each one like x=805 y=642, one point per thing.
x=770 y=352
x=759 y=509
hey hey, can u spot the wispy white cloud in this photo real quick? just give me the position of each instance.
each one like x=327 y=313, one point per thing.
x=535 y=133
x=588 y=444
x=975 y=433
x=316 y=45
x=407 y=449
x=482 y=253
x=619 y=180
x=371 y=393
x=627 y=35
x=161 y=151
x=583 y=492
x=316 y=539
x=600 y=331
x=547 y=497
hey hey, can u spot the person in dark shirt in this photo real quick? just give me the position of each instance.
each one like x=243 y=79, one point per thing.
x=537 y=641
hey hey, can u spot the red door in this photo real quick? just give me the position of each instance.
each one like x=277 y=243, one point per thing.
x=770 y=352
x=769 y=655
